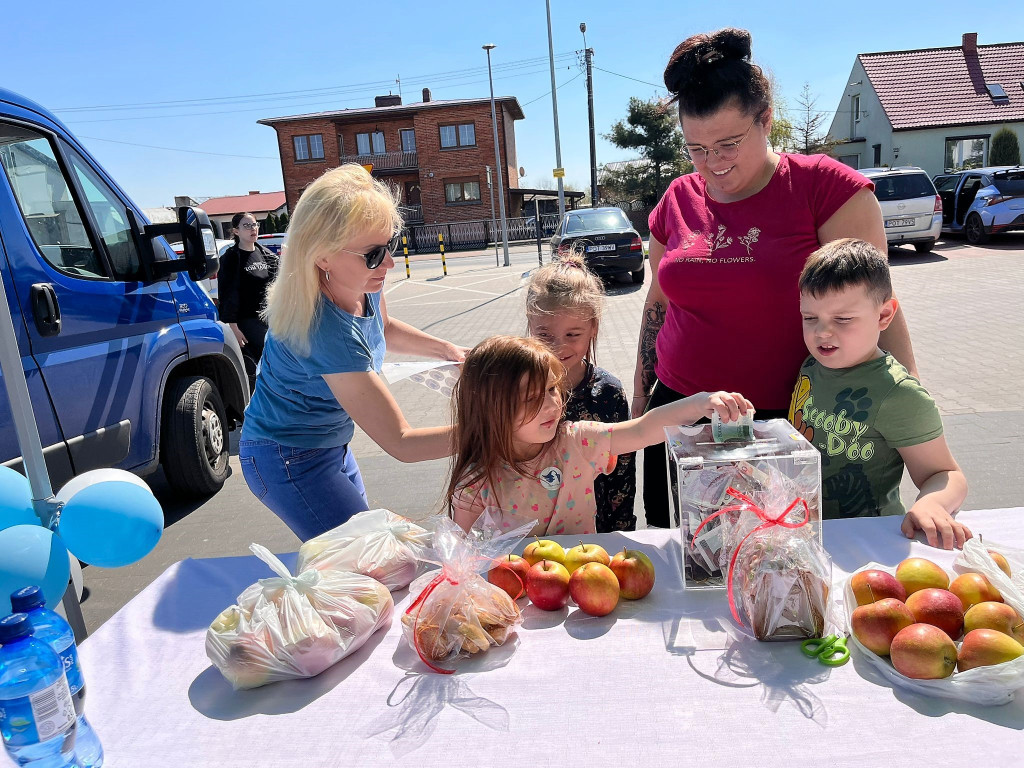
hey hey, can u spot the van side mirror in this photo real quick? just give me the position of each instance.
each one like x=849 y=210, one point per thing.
x=197 y=238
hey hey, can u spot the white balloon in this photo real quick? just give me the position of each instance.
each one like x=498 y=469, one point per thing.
x=94 y=476
x=76 y=576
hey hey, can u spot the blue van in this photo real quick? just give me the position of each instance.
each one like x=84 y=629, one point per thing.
x=126 y=363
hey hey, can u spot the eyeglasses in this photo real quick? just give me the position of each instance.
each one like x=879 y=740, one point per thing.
x=727 y=150
x=251 y=225
x=376 y=257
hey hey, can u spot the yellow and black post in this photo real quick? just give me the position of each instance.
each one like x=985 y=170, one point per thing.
x=405 y=252
x=444 y=266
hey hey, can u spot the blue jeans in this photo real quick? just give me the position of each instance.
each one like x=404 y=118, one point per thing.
x=311 y=489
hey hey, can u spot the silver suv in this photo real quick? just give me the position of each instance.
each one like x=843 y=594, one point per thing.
x=911 y=208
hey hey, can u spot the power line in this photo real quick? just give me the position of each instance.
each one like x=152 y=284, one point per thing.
x=557 y=88
x=175 y=149
x=627 y=77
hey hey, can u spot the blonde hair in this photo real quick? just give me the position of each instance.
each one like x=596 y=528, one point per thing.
x=567 y=285
x=490 y=402
x=338 y=206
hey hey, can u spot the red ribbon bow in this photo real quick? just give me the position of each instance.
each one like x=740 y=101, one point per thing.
x=419 y=601
x=769 y=521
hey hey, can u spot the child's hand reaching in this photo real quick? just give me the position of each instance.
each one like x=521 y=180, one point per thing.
x=729 y=405
x=932 y=518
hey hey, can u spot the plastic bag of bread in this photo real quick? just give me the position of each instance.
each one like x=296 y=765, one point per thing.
x=376 y=543
x=458 y=612
x=288 y=626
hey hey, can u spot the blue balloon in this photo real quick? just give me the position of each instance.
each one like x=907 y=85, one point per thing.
x=15 y=500
x=31 y=555
x=111 y=523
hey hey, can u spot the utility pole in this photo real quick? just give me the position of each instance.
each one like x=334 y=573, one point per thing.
x=589 y=54
x=554 y=110
x=494 y=223
x=497 y=158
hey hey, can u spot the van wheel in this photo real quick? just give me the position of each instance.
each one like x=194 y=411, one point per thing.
x=638 y=276
x=974 y=230
x=194 y=441
x=925 y=247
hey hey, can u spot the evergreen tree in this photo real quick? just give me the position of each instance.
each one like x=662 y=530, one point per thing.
x=1005 y=148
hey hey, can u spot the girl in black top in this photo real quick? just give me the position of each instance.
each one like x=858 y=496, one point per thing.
x=246 y=269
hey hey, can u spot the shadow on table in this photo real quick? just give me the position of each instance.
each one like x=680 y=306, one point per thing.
x=1008 y=715
x=212 y=696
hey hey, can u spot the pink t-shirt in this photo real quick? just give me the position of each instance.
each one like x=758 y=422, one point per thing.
x=558 y=489
x=730 y=274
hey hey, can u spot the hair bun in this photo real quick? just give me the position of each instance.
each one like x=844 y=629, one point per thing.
x=693 y=57
x=732 y=43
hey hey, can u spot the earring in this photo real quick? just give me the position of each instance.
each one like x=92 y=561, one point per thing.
x=327 y=275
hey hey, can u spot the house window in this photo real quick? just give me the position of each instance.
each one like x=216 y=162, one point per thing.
x=460 y=135
x=341 y=146
x=462 y=191
x=308 y=147
x=856 y=108
x=370 y=143
x=877 y=158
x=408 y=136
x=966 y=152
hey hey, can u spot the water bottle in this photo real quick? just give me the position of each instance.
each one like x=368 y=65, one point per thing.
x=52 y=629
x=37 y=716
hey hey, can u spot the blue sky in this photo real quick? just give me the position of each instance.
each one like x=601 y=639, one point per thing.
x=222 y=59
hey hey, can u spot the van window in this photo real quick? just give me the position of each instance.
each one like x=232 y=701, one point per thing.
x=109 y=213
x=46 y=202
x=904 y=186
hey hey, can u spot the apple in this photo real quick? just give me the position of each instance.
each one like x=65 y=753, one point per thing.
x=1004 y=566
x=872 y=585
x=543 y=549
x=940 y=608
x=594 y=588
x=986 y=648
x=510 y=574
x=635 y=573
x=584 y=553
x=974 y=588
x=876 y=624
x=923 y=652
x=997 y=616
x=916 y=573
x=547 y=585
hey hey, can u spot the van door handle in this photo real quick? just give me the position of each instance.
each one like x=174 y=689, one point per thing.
x=45 y=309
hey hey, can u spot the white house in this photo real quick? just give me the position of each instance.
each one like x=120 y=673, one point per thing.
x=936 y=108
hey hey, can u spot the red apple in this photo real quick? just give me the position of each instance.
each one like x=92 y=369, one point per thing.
x=998 y=616
x=916 y=573
x=876 y=624
x=940 y=608
x=547 y=585
x=974 y=588
x=923 y=652
x=1000 y=561
x=987 y=648
x=543 y=549
x=594 y=588
x=510 y=575
x=872 y=585
x=584 y=553
x=635 y=573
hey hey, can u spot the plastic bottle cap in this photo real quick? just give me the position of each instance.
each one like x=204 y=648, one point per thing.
x=27 y=598
x=14 y=627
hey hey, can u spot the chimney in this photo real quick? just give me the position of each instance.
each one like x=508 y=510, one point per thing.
x=426 y=94
x=970 y=43
x=254 y=191
x=388 y=101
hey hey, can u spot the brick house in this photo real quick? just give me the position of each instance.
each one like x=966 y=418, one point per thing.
x=435 y=152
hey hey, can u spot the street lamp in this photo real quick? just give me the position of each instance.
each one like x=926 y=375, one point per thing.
x=554 y=112
x=497 y=157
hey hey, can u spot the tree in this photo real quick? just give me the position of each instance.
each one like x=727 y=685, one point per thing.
x=269 y=225
x=807 y=126
x=651 y=128
x=780 y=137
x=282 y=222
x=1005 y=148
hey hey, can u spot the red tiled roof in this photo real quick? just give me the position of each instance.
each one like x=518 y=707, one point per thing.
x=511 y=104
x=945 y=86
x=261 y=202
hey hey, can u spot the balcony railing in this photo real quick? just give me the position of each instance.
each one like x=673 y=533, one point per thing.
x=411 y=214
x=385 y=161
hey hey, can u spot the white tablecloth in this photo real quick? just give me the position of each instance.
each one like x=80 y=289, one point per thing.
x=663 y=681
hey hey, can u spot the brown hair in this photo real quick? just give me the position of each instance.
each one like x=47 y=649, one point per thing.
x=567 y=285
x=237 y=219
x=845 y=263
x=490 y=401
x=706 y=71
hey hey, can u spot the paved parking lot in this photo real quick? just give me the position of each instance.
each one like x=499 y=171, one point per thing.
x=962 y=303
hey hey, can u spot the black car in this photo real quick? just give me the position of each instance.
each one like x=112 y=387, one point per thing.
x=609 y=243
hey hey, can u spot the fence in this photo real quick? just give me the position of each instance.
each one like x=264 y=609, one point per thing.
x=469 y=235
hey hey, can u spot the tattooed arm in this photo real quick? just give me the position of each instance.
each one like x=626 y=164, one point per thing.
x=653 y=319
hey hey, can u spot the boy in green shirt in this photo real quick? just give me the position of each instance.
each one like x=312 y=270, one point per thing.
x=862 y=409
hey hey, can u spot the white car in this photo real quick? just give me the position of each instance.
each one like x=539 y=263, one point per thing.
x=208 y=284
x=911 y=208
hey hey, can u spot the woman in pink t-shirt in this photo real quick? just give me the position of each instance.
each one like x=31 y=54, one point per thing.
x=728 y=243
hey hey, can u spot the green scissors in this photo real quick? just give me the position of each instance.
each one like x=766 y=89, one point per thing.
x=830 y=651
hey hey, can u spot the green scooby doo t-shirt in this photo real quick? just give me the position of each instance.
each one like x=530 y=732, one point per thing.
x=857 y=417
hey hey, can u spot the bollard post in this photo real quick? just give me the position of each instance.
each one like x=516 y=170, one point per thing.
x=405 y=252
x=444 y=266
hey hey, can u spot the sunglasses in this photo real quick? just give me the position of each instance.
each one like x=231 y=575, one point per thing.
x=376 y=257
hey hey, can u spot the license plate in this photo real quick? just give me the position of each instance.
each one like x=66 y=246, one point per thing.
x=899 y=222
x=605 y=247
